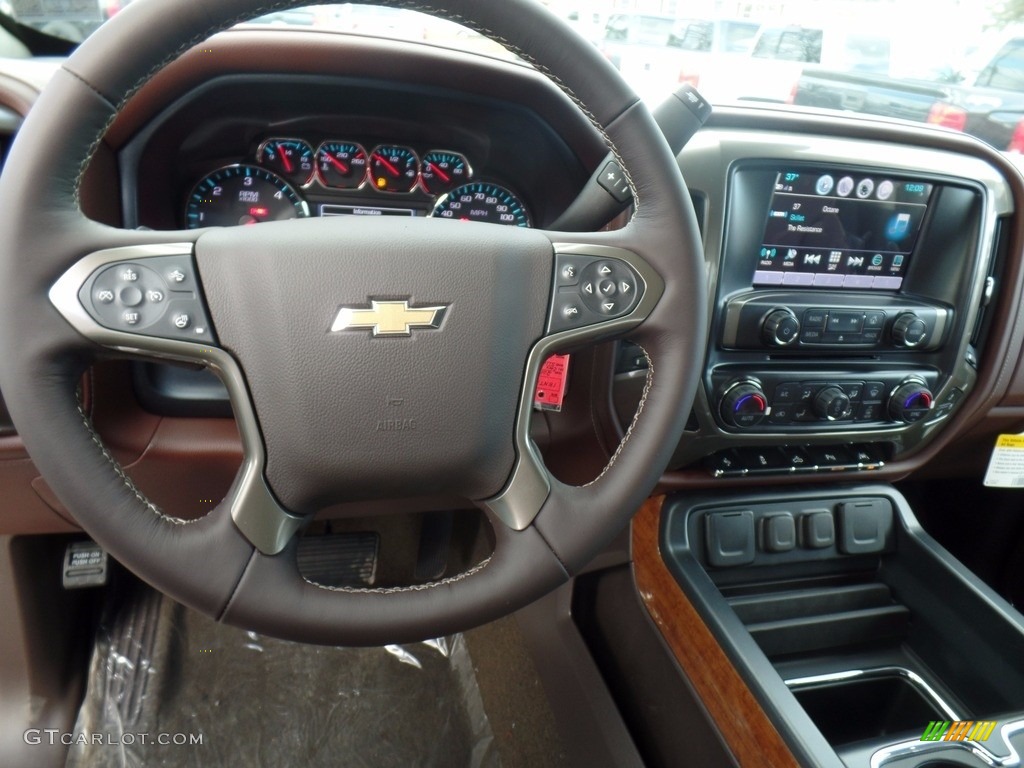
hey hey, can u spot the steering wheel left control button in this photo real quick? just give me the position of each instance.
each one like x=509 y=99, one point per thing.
x=177 y=277
x=130 y=296
x=155 y=296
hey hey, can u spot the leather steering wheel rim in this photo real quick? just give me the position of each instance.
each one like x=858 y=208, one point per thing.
x=209 y=564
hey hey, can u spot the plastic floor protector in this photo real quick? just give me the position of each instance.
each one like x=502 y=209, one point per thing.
x=169 y=687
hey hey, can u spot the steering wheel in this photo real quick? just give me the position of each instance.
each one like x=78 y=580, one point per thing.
x=365 y=359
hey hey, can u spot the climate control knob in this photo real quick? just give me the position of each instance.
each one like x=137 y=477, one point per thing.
x=743 y=405
x=909 y=330
x=780 y=328
x=832 y=404
x=910 y=402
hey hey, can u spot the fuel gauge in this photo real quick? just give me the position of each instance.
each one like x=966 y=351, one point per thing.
x=442 y=171
x=291 y=159
x=394 y=169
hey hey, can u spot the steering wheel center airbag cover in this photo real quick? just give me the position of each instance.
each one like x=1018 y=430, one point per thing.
x=352 y=403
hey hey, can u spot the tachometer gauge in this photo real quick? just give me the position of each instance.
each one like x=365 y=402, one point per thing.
x=341 y=164
x=394 y=169
x=242 y=194
x=291 y=159
x=442 y=171
x=483 y=201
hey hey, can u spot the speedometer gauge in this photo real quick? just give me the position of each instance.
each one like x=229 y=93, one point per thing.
x=242 y=194
x=483 y=201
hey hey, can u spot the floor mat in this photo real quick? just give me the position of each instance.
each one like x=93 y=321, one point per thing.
x=163 y=678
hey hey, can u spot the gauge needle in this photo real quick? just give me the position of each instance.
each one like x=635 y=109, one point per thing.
x=284 y=159
x=337 y=164
x=387 y=165
x=444 y=177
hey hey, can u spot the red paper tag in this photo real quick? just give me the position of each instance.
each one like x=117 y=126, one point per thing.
x=551 y=383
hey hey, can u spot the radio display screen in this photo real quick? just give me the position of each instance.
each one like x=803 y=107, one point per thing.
x=837 y=229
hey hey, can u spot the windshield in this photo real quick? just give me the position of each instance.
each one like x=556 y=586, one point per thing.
x=952 y=63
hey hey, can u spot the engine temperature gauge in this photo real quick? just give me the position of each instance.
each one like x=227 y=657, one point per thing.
x=341 y=164
x=442 y=171
x=291 y=159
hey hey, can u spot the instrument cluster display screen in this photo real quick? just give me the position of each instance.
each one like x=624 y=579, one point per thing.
x=839 y=229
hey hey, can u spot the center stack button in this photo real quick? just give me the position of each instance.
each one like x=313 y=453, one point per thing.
x=780 y=328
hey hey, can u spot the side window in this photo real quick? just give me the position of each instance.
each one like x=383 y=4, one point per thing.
x=767 y=44
x=696 y=38
x=737 y=38
x=867 y=54
x=1006 y=70
x=616 y=28
x=800 y=45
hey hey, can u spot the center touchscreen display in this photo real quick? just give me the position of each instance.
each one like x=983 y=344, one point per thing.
x=836 y=229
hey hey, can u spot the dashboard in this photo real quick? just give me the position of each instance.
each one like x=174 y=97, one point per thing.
x=248 y=148
x=862 y=288
x=864 y=277
x=852 y=275
x=292 y=180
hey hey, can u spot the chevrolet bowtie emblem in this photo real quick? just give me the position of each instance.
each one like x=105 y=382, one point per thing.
x=388 y=318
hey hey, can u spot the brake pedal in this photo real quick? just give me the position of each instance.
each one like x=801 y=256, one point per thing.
x=339 y=559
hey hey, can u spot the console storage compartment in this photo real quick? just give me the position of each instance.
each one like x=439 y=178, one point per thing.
x=858 y=625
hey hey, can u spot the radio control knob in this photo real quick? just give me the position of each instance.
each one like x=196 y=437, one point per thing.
x=910 y=402
x=743 y=405
x=780 y=328
x=909 y=330
x=832 y=404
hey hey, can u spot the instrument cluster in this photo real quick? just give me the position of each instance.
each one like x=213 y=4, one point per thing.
x=340 y=177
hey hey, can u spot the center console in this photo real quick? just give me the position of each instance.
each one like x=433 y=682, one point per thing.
x=850 y=283
x=868 y=645
x=840 y=291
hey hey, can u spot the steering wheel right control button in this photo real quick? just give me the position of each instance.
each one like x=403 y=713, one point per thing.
x=591 y=290
x=154 y=296
x=569 y=272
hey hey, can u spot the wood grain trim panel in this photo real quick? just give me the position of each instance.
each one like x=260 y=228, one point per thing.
x=744 y=726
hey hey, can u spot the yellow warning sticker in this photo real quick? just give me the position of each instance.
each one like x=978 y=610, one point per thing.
x=1010 y=441
x=1006 y=467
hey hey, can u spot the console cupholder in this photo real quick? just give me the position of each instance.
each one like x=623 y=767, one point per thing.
x=865 y=704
